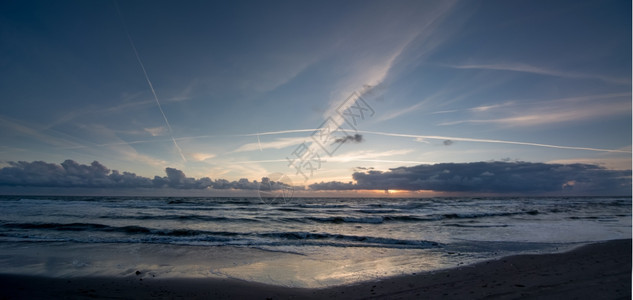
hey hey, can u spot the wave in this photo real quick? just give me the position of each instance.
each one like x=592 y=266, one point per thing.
x=302 y=235
x=57 y=226
x=486 y=215
x=379 y=219
x=401 y=206
x=357 y=220
x=366 y=219
x=321 y=206
x=340 y=219
x=181 y=218
x=330 y=239
x=409 y=218
x=476 y=226
x=130 y=229
x=228 y=238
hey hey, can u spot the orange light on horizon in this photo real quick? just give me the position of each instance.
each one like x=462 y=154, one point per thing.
x=388 y=191
x=403 y=193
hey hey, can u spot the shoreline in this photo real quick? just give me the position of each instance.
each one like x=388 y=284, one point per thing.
x=597 y=270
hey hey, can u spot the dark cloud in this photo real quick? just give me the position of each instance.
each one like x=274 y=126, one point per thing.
x=492 y=177
x=357 y=138
x=176 y=179
x=72 y=174
x=479 y=177
x=333 y=185
x=448 y=142
x=270 y=185
x=68 y=174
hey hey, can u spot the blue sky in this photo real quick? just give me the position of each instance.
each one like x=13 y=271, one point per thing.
x=242 y=85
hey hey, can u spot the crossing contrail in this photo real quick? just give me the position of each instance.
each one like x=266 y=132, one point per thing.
x=149 y=82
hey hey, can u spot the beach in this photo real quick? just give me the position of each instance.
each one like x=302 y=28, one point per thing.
x=598 y=270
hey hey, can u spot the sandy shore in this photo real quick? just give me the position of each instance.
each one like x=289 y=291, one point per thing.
x=601 y=270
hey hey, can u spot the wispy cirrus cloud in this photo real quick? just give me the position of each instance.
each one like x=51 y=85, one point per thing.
x=276 y=144
x=129 y=154
x=553 y=111
x=551 y=117
x=39 y=134
x=403 y=111
x=364 y=155
x=373 y=68
x=526 y=68
x=483 y=108
x=202 y=156
x=155 y=131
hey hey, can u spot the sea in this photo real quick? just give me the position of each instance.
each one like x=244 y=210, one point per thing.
x=302 y=242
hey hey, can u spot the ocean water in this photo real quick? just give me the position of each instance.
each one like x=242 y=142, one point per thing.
x=308 y=242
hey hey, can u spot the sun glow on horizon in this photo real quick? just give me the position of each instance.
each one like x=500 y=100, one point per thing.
x=403 y=193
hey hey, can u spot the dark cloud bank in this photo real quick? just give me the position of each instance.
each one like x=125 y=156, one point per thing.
x=478 y=177
x=492 y=177
x=70 y=174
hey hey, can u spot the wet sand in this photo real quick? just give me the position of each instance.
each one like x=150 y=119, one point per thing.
x=601 y=270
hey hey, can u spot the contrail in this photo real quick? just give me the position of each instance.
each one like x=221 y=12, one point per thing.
x=245 y=134
x=437 y=137
x=430 y=137
x=259 y=143
x=279 y=132
x=151 y=87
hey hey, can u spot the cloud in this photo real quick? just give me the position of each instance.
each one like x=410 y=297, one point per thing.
x=202 y=156
x=492 y=177
x=156 y=131
x=484 y=108
x=554 y=114
x=530 y=113
x=277 y=144
x=357 y=138
x=67 y=174
x=364 y=155
x=400 y=112
x=525 y=68
x=612 y=163
x=334 y=185
x=401 y=48
x=46 y=136
x=71 y=174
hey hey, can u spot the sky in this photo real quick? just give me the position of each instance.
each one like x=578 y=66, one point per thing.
x=331 y=97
